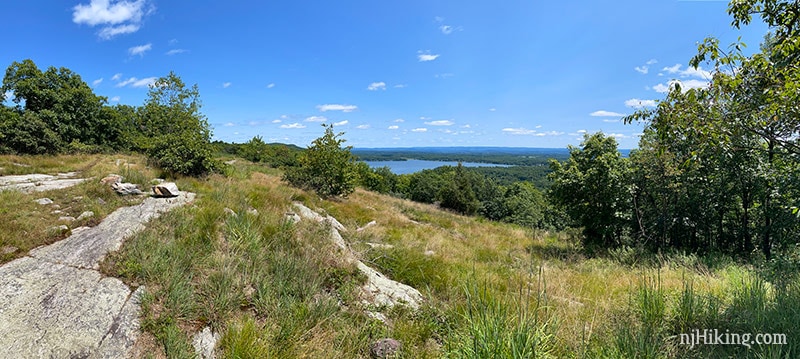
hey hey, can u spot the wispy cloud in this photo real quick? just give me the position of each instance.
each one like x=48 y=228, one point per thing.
x=337 y=107
x=97 y=82
x=114 y=17
x=229 y=124
x=438 y=19
x=641 y=69
x=638 y=103
x=362 y=127
x=617 y=135
x=440 y=123
x=399 y=86
x=114 y=99
x=652 y=62
x=377 y=86
x=446 y=29
x=116 y=77
x=492 y=109
x=226 y=85
x=271 y=85
x=425 y=56
x=420 y=129
x=276 y=121
x=175 y=52
x=609 y=120
x=399 y=120
x=135 y=82
x=446 y=75
x=603 y=113
x=525 y=131
x=294 y=125
x=688 y=72
x=394 y=127
x=316 y=119
x=140 y=50
x=341 y=123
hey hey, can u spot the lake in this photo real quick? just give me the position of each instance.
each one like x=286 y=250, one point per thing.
x=411 y=166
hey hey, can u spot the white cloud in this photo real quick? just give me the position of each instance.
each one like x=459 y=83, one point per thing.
x=140 y=50
x=420 y=129
x=226 y=85
x=609 y=120
x=175 y=52
x=362 y=127
x=254 y=123
x=271 y=85
x=134 y=82
x=637 y=103
x=316 y=119
x=685 y=85
x=492 y=109
x=173 y=41
x=293 y=125
x=603 y=113
x=582 y=131
x=337 y=107
x=446 y=29
x=466 y=126
x=97 y=82
x=399 y=120
x=394 y=127
x=538 y=126
x=425 y=56
x=377 y=86
x=229 y=124
x=652 y=62
x=116 y=17
x=525 y=131
x=641 y=69
x=617 y=135
x=341 y=123
x=116 y=77
x=399 y=86
x=276 y=121
x=440 y=123
x=114 y=99
x=688 y=72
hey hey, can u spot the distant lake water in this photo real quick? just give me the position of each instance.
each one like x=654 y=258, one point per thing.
x=411 y=166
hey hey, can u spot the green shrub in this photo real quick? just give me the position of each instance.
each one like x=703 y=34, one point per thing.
x=326 y=167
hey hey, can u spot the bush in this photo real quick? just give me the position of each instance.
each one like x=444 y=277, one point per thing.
x=326 y=167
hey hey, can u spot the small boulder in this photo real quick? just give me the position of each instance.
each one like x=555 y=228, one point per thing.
x=8 y=250
x=66 y=219
x=385 y=348
x=292 y=217
x=166 y=189
x=58 y=230
x=204 y=343
x=44 y=201
x=126 y=188
x=111 y=179
x=85 y=215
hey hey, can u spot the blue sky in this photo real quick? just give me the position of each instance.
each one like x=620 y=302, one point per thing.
x=388 y=73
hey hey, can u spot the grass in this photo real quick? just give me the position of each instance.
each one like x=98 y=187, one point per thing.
x=27 y=224
x=278 y=290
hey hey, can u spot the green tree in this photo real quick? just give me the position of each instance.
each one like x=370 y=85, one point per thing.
x=326 y=167
x=592 y=186
x=172 y=130
x=457 y=192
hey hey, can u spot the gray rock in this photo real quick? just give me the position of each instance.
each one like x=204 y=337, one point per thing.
x=44 y=201
x=87 y=248
x=58 y=230
x=379 y=245
x=85 y=215
x=38 y=182
x=166 y=189
x=56 y=304
x=385 y=348
x=204 y=343
x=292 y=217
x=66 y=219
x=125 y=189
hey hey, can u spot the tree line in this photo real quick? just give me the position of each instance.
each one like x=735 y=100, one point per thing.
x=55 y=111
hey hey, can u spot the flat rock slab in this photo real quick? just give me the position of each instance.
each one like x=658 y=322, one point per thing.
x=38 y=182
x=55 y=304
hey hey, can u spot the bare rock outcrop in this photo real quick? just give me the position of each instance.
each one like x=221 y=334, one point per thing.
x=38 y=182
x=54 y=303
x=378 y=290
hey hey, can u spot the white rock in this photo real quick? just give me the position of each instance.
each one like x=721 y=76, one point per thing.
x=44 y=201
x=85 y=215
x=126 y=188
x=204 y=343
x=66 y=219
x=166 y=189
x=370 y=224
